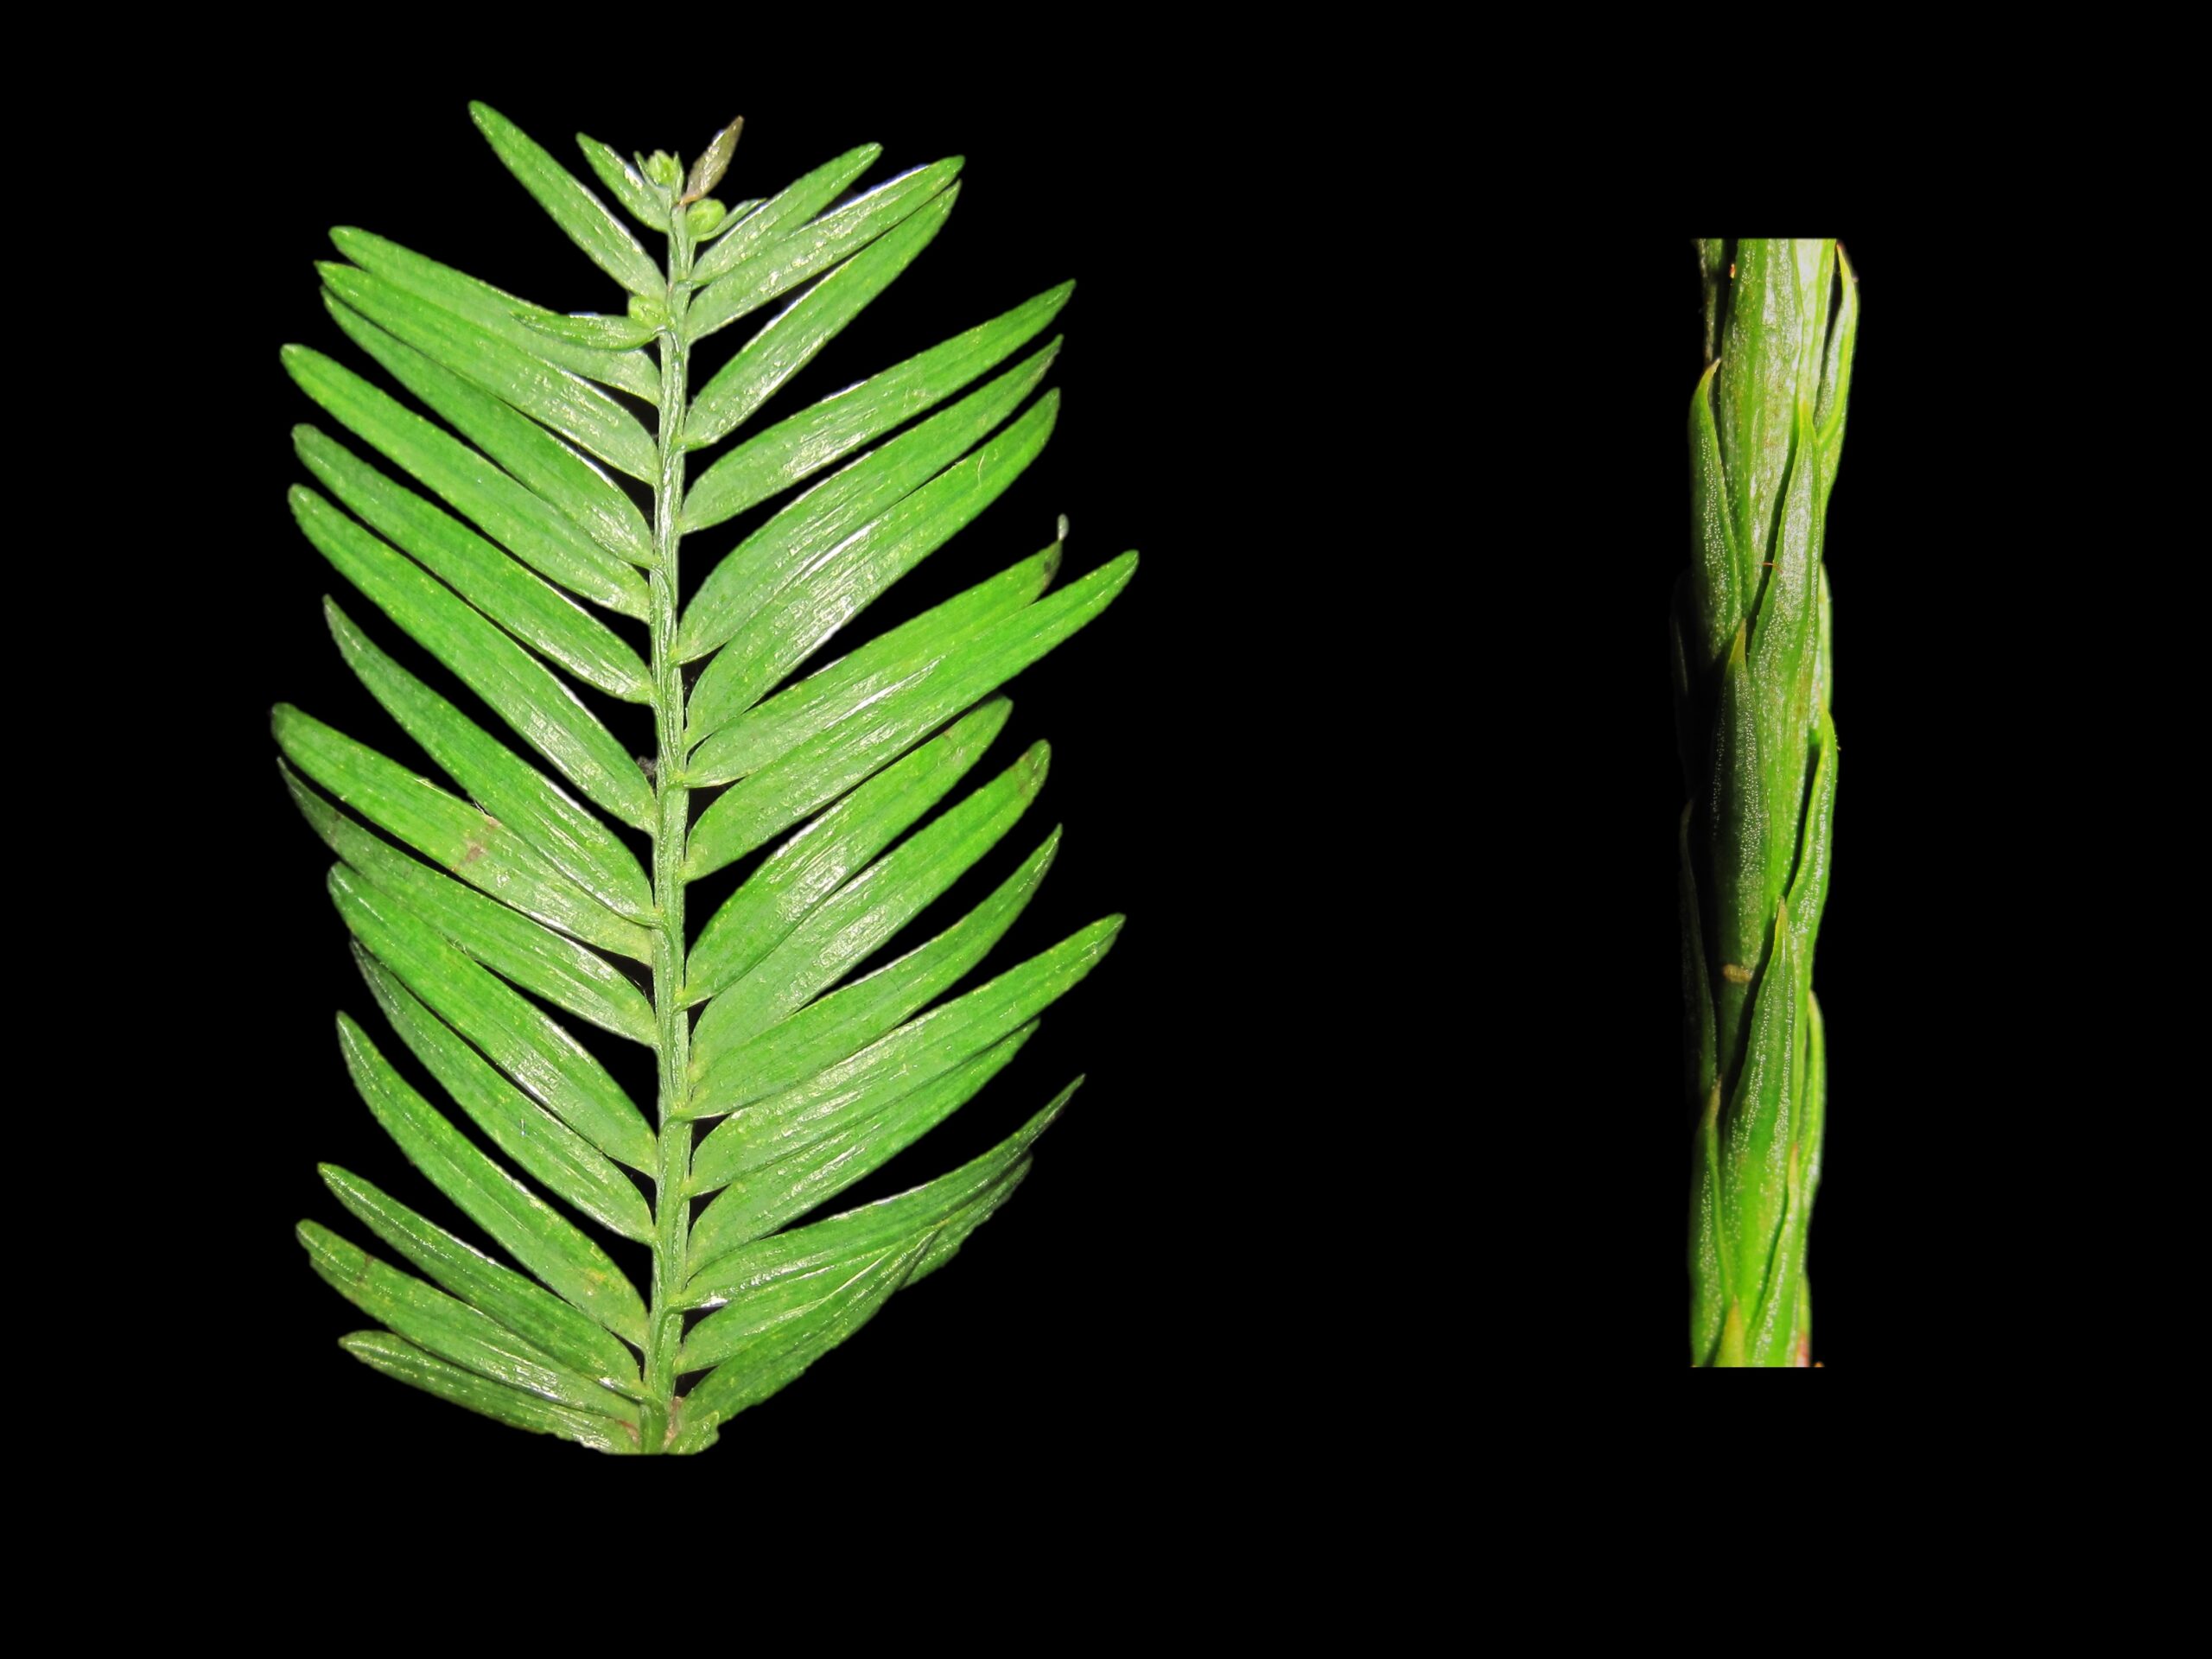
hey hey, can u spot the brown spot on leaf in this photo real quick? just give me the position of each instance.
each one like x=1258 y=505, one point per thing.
x=475 y=851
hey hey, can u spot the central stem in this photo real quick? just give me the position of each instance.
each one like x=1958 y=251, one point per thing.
x=664 y=1329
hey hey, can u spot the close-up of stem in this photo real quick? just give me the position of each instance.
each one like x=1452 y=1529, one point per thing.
x=1753 y=677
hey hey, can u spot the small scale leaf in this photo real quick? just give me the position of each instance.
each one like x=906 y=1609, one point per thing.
x=1722 y=577
x=707 y=172
x=1809 y=885
x=1835 y=379
x=1760 y=1122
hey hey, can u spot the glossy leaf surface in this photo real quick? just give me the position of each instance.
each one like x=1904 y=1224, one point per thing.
x=1752 y=685
x=514 y=920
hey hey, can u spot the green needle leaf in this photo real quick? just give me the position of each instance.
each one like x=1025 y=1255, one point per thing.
x=533 y=956
x=785 y=721
x=642 y=199
x=516 y=321
x=822 y=599
x=563 y=1259
x=803 y=443
x=542 y=1320
x=779 y=1355
x=579 y=412
x=530 y=528
x=741 y=1067
x=789 y=343
x=830 y=762
x=544 y=712
x=571 y=1168
x=453 y=834
x=859 y=1234
x=788 y=209
x=382 y=1352
x=810 y=528
x=762 y=1199
x=801 y=874
x=556 y=473
x=451 y=1329
x=870 y=909
x=565 y=835
x=778 y=267
x=587 y=219
x=850 y=1092
x=533 y=610
x=521 y=1042
x=600 y=333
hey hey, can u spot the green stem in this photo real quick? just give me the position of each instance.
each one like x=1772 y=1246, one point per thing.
x=1758 y=749
x=665 y=1327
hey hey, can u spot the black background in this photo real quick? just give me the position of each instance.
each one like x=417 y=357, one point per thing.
x=1383 y=1112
